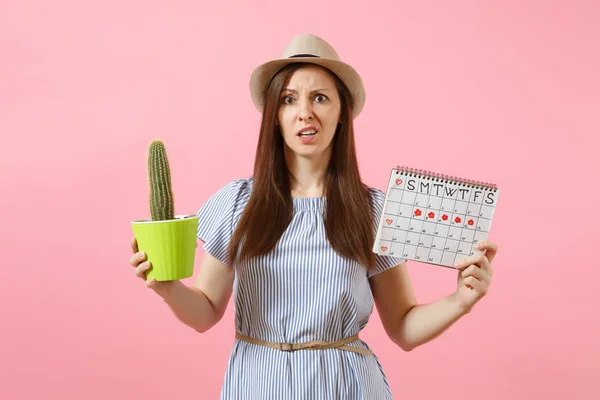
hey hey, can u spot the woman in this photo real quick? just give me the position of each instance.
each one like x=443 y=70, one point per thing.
x=293 y=243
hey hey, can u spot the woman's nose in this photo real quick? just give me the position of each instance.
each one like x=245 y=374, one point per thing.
x=305 y=112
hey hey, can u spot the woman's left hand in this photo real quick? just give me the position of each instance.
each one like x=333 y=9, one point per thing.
x=475 y=276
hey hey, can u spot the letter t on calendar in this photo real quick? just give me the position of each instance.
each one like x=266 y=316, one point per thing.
x=433 y=218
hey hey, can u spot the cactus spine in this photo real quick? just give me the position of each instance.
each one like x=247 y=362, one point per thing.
x=161 y=194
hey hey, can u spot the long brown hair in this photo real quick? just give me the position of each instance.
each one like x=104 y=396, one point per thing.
x=348 y=216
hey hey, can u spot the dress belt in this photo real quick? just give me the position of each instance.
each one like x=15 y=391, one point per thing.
x=314 y=345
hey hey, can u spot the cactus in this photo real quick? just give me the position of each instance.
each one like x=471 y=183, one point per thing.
x=161 y=194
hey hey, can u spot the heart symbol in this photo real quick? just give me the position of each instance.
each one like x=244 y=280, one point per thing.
x=383 y=248
x=389 y=221
x=398 y=182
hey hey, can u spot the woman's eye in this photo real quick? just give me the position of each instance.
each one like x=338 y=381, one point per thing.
x=288 y=100
x=321 y=96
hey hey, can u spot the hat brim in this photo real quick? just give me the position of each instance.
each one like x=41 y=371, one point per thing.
x=262 y=75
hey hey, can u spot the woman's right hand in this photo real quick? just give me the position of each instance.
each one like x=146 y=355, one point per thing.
x=141 y=265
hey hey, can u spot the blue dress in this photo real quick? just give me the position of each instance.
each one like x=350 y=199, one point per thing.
x=302 y=291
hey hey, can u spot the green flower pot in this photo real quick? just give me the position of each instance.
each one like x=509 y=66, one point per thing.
x=170 y=246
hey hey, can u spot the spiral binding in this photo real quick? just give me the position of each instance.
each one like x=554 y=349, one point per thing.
x=430 y=175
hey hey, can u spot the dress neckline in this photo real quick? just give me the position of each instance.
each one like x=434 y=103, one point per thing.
x=309 y=203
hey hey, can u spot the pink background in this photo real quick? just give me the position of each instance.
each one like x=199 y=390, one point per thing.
x=505 y=92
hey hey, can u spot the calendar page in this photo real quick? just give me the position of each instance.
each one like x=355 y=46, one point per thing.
x=433 y=218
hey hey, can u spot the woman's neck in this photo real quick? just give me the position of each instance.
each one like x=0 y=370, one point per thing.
x=307 y=176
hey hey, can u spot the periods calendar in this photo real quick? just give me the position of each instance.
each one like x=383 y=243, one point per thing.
x=434 y=218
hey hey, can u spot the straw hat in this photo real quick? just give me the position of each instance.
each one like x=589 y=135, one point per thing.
x=312 y=49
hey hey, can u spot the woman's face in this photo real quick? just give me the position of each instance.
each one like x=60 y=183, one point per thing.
x=309 y=101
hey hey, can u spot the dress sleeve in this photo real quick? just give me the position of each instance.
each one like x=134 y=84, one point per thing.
x=218 y=215
x=383 y=262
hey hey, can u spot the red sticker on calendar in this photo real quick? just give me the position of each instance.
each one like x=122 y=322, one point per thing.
x=445 y=217
x=418 y=212
x=383 y=248
x=431 y=214
x=398 y=182
x=471 y=222
x=389 y=221
x=457 y=220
